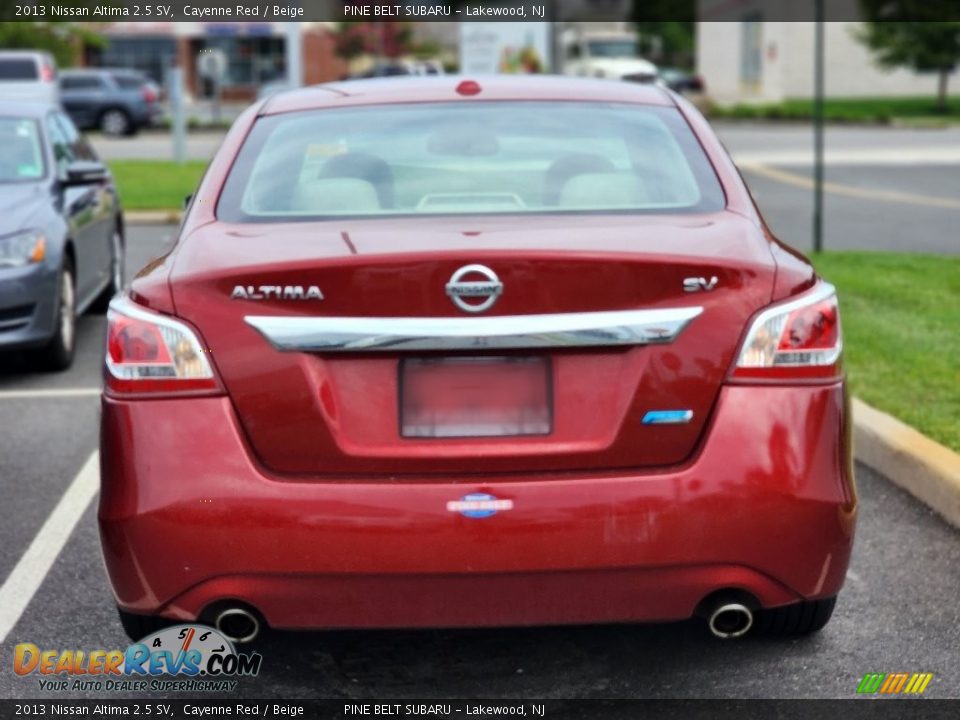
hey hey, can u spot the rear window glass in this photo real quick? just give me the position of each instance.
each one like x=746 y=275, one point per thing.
x=80 y=82
x=18 y=70
x=22 y=156
x=476 y=158
x=128 y=82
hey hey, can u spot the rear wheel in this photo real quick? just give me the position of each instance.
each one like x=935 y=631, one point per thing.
x=58 y=353
x=116 y=122
x=138 y=627
x=802 y=618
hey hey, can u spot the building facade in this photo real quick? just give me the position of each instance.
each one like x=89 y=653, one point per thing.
x=255 y=53
x=745 y=57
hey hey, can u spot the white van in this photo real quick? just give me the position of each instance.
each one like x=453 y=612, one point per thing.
x=29 y=75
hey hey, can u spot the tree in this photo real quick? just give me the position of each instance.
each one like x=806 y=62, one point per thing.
x=908 y=42
x=672 y=21
x=381 y=39
x=60 y=39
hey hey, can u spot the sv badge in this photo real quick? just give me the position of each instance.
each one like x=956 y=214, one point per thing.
x=696 y=284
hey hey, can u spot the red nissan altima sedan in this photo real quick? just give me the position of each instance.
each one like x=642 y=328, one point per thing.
x=444 y=352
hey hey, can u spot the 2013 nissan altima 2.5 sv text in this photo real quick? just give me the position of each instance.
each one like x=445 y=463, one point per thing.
x=436 y=352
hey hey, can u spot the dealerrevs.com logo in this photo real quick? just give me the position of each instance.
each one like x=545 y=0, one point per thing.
x=188 y=658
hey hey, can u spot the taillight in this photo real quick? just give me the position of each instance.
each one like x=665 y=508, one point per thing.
x=149 y=95
x=796 y=339
x=152 y=353
x=46 y=73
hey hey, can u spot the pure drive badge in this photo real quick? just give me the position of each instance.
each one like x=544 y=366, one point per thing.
x=276 y=292
x=479 y=505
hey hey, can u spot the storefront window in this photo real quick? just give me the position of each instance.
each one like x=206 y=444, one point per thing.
x=149 y=55
x=251 y=60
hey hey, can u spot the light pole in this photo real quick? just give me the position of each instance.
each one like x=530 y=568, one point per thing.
x=294 y=54
x=818 y=129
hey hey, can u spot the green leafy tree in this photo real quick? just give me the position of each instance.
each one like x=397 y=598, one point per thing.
x=896 y=33
x=672 y=21
x=61 y=39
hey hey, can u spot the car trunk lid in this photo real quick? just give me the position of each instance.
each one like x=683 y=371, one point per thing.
x=603 y=404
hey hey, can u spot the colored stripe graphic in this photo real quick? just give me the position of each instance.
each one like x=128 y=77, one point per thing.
x=918 y=683
x=894 y=683
x=871 y=682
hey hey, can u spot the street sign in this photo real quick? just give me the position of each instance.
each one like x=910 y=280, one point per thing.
x=504 y=47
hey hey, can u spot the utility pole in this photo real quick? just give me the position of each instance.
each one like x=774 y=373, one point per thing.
x=818 y=128
x=294 y=54
x=178 y=114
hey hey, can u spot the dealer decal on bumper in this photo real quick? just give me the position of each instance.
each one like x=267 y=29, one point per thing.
x=479 y=505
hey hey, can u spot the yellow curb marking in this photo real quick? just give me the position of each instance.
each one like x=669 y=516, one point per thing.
x=789 y=178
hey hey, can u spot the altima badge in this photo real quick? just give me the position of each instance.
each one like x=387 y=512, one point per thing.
x=489 y=288
x=276 y=292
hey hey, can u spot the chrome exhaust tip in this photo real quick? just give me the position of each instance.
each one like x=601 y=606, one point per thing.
x=237 y=625
x=730 y=620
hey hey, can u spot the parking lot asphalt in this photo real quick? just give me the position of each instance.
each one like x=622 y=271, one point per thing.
x=877 y=207
x=898 y=611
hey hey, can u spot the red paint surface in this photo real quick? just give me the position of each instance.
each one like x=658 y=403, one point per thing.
x=294 y=491
x=188 y=517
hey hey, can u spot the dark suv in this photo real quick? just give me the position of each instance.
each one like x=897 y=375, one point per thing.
x=119 y=102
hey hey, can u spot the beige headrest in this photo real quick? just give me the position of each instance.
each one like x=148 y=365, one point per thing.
x=342 y=196
x=602 y=190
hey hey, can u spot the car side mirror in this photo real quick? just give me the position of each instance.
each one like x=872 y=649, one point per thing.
x=85 y=172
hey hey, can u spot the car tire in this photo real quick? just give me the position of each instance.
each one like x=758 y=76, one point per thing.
x=117 y=266
x=138 y=627
x=57 y=354
x=802 y=618
x=116 y=122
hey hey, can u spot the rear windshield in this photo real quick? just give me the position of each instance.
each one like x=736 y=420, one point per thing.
x=22 y=156
x=128 y=82
x=476 y=158
x=20 y=69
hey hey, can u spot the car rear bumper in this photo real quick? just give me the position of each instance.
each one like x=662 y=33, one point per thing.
x=188 y=518
x=28 y=297
x=150 y=115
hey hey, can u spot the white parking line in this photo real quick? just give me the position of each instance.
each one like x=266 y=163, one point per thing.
x=50 y=393
x=23 y=582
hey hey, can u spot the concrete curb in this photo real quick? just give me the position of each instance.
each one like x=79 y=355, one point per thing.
x=152 y=217
x=924 y=468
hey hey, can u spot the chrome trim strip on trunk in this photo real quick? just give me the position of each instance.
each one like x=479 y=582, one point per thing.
x=392 y=334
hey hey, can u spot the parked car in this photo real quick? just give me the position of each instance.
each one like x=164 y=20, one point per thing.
x=118 y=102
x=447 y=352
x=604 y=54
x=428 y=67
x=61 y=232
x=681 y=81
x=395 y=68
x=27 y=75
